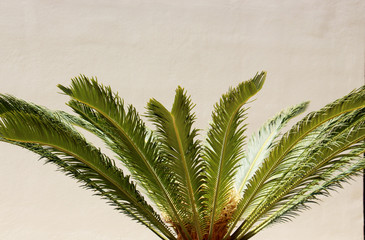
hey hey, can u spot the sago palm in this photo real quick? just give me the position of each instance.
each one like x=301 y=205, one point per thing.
x=225 y=187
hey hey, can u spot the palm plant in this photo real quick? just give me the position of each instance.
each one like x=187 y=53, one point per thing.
x=225 y=188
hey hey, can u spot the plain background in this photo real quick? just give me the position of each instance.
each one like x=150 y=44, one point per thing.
x=312 y=50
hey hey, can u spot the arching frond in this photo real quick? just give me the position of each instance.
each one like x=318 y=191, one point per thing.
x=129 y=139
x=225 y=139
x=34 y=128
x=89 y=183
x=325 y=155
x=345 y=169
x=264 y=178
x=260 y=144
x=181 y=152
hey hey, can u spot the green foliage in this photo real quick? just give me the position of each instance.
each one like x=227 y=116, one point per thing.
x=223 y=189
x=180 y=150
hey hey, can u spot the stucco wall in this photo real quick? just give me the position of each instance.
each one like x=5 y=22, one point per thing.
x=312 y=50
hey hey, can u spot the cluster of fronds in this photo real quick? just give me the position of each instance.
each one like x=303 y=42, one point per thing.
x=223 y=188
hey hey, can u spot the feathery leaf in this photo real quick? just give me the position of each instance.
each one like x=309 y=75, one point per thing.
x=35 y=128
x=262 y=181
x=129 y=139
x=225 y=139
x=181 y=153
x=260 y=144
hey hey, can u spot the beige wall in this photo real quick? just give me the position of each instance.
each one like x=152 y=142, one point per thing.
x=312 y=50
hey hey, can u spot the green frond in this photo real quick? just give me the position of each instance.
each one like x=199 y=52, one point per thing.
x=88 y=183
x=267 y=176
x=28 y=126
x=129 y=137
x=181 y=152
x=323 y=158
x=225 y=139
x=260 y=144
x=345 y=169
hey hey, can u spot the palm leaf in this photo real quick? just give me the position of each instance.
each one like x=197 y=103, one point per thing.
x=262 y=181
x=72 y=171
x=345 y=169
x=27 y=125
x=260 y=144
x=225 y=140
x=129 y=139
x=181 y=152
x=326 y=154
